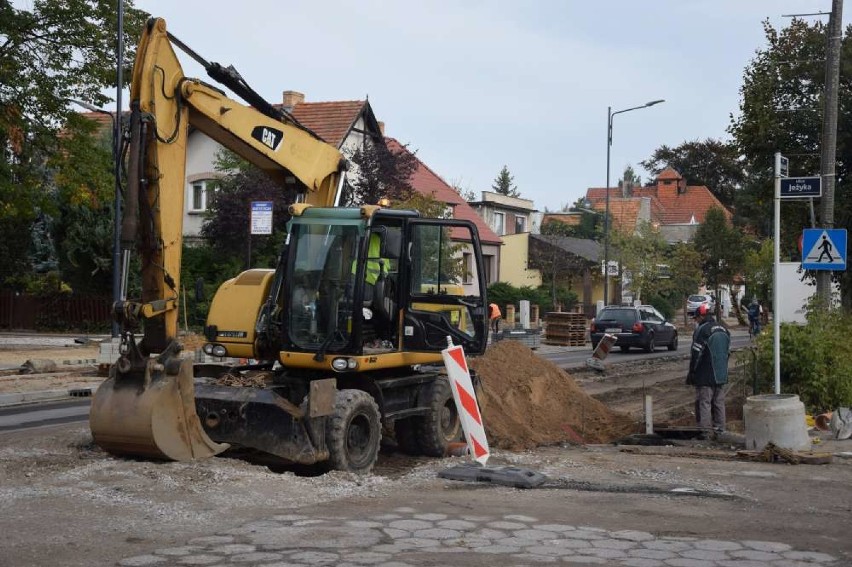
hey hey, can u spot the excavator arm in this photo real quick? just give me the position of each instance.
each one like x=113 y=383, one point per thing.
x=146 y=407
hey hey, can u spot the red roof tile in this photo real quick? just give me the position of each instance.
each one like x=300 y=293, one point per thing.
x=427 y=182
x=331 y=121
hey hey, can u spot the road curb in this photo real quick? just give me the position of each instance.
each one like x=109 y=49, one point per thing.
x=43 y=396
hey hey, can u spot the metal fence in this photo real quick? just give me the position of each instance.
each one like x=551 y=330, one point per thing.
x=60 y=312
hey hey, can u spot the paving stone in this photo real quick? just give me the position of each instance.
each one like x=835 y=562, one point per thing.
x=742 y=563
x=317 y=537
x=437 y=533
x=792 y=563
x=311 y=522
x=499 y=525
x=200 y=560
x=479 y=519
x=289 y=517
x=585 y=560
x=385 y=517
x=418 y=542
x=396 y=564
x=519 y=542
x=519 y=518
x=667 y=545
x=142 y=560
x=705 y=554
x=568 y=543
x=684 y=562
x=549 y=551
x=583 y=533
x=498 y=549
x=431 y=517
x=558 y=528
x=606 y=553
x=396 y=534
x=717 y=545
x=457 y=525
x=812 y=556
x=405 y=510
x=591 y=529
x=368 y=557
x=641 y=562
x=410 y=525
x=489 y=533
x=256 y=557
x=613 y=543
x=771 y=546
x=232 y=549
x=753 y=555
x=179 y=551
x=364 y=524
x=316 y=558
x=535 y=558
x=659 y=554
x=631 y=535
x=390 y=548
x=283 y=564
x=536 y=535
x=211 y=540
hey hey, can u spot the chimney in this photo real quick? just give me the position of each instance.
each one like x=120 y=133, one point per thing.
x=381 y=128
x=291 y=99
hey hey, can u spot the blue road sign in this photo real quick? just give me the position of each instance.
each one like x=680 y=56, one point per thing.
x=798 y=187
x=824 y=249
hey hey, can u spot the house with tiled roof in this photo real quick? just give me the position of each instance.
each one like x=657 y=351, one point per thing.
x=669 y=203
x=426 y=182
x=343 y=124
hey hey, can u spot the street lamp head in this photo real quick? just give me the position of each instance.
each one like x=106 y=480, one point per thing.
x=653 y=102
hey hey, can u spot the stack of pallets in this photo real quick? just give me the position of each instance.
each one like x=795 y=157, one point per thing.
x=565 y=329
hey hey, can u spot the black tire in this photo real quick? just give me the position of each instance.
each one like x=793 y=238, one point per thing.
x=673 y=345
x=651 y=345
x=441 y=426
x=354 y=432
x=406 y=433
x=624 y=348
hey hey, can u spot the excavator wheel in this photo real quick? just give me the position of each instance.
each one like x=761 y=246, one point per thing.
x=441 y=426
x=354 y=432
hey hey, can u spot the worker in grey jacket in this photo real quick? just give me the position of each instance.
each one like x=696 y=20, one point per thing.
x=708 y=369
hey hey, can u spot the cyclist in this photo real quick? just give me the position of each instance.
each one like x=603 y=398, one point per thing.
x=754 y=312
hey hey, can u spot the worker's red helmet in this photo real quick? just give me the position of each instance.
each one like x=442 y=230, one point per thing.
x=702 y=310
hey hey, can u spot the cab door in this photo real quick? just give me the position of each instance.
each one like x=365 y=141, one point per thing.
x=444 y=287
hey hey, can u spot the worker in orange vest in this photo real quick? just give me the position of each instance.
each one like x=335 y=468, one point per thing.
x=495 y=316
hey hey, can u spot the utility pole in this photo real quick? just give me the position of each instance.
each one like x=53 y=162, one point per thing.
x=829 y=134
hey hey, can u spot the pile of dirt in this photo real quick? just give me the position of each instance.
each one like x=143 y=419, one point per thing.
x=529 y=402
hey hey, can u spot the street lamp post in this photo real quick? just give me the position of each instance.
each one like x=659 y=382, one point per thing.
x=609 y=116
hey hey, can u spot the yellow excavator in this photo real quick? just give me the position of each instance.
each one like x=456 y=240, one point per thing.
x=343 y=335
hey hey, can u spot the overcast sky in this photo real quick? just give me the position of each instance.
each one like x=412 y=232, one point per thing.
x=475 y=85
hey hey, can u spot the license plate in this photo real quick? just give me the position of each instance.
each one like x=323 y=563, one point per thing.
x=613 y=330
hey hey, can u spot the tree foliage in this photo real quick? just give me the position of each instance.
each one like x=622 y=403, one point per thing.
x=504 y=183
x=380 y=173
x=642 y=254
x=712 y=163
x=559 y=268
x=721 y=249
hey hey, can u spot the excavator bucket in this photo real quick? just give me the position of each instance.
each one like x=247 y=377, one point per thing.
x=151 y=414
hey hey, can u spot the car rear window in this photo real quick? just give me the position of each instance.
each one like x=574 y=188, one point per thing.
x=696 y=298
x=624 y=316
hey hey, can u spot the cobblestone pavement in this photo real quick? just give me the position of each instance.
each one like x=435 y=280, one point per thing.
x=408 y=537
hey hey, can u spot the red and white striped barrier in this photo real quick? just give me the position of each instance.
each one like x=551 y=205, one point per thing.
x=465 y=397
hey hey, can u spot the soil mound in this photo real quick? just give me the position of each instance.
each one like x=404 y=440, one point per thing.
x=528 y=402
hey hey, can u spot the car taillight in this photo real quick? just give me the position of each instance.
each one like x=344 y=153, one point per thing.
x=638 y=327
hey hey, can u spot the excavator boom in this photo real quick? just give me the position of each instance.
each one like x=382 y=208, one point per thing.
x=147 y=406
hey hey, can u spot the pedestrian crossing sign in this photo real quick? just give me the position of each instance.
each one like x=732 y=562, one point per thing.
x=824 y=249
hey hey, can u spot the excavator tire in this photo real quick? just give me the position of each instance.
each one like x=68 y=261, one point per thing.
x=441 y=426
x=354 y=432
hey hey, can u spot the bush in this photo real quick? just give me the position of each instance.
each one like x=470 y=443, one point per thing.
x=816 y=360
x=504 y=294
x=663 y=305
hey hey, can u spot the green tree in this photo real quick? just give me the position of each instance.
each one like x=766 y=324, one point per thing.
x=721 y=249
x=642 y=254
x=380 y=173
x=712 y=163
x=559 y=269
x=757 y=270
x=504 y=183
x=50 y=51
x=630 y=179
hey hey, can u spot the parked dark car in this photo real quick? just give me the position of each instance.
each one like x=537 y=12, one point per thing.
x=642 y=327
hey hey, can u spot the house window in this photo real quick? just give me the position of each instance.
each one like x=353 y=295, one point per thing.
x=520 y=224
x=488 y=264
x=500 y=223
x=199 y=195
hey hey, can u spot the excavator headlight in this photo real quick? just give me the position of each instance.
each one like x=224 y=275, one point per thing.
x=219 y=350
x=353 y=364
x=208 y=349
x=340 y=364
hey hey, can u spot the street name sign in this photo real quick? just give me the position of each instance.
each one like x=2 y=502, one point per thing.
x=799 y=187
